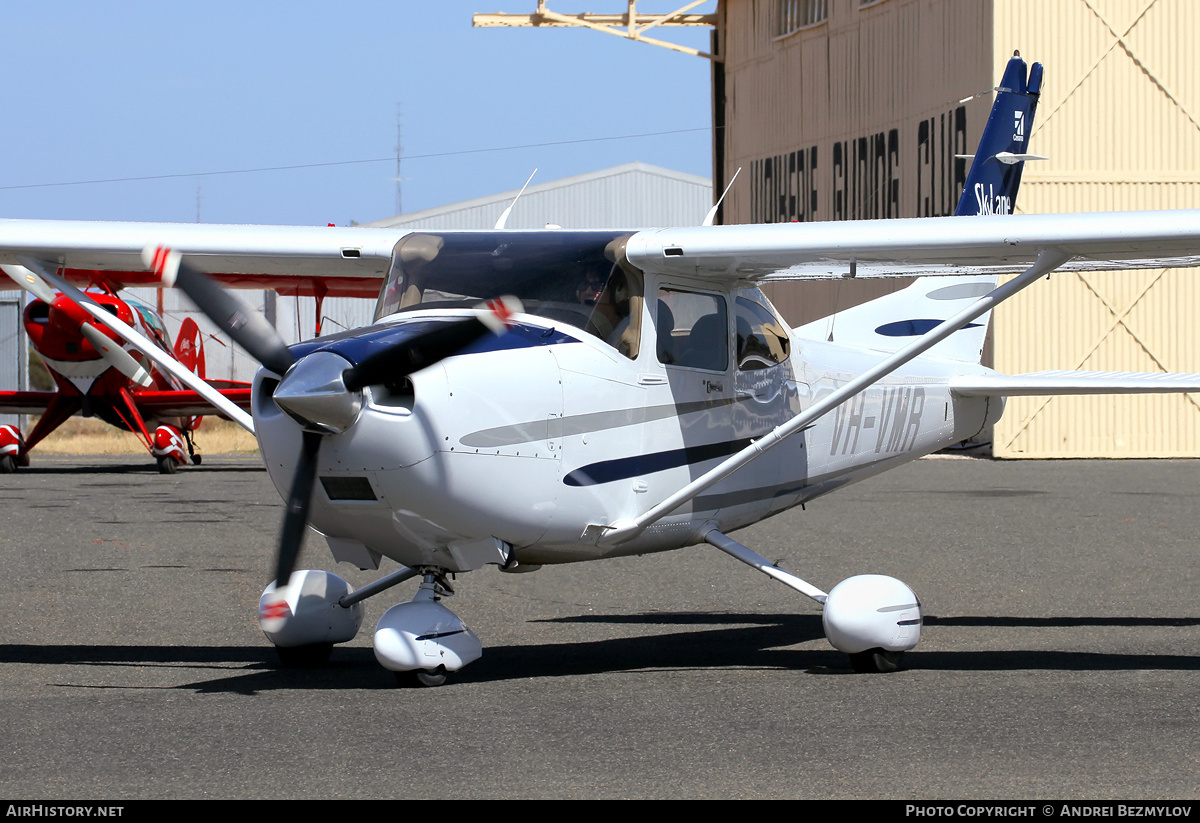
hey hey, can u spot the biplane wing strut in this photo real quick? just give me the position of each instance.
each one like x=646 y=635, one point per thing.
x=613 y=534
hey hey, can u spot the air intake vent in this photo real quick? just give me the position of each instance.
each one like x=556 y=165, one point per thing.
x=348 y=488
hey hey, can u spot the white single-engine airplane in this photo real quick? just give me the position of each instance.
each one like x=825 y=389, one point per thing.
x=642 y=395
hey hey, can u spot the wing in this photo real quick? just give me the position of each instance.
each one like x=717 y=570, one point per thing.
x=350 y=261
x=25 y=402
x=156 y=404
x=330 y=261
x=921 y=246
x=152 y=404
x=1074 y=382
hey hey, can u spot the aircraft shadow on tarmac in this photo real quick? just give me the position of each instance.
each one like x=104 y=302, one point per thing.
x=744 y=642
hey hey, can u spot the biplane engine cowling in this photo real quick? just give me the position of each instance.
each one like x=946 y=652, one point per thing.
x=872 y=611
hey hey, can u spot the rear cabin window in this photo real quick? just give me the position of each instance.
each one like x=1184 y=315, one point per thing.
x=761 y=341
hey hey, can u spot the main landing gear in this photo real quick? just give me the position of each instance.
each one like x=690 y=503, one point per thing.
x=421 y=641
x=11 y=448
x=168 y=449
x=871 y=617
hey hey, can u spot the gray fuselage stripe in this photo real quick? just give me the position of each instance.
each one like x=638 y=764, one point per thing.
x=553 y=428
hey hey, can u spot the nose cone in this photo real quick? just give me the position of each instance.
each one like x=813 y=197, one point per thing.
x=314 y=394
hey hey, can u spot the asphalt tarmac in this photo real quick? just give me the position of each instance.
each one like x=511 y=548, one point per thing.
x=1059 y=658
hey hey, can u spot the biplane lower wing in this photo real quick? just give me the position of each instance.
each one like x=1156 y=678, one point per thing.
x=152 y=405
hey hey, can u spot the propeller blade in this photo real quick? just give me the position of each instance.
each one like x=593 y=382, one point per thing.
x=419 y=352
x=413 y=355
x=248 y=328
x=295 y=519
x=28 y=280
x=116 y=356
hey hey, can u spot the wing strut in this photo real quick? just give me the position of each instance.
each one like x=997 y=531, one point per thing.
x=622 y=530
x=163 y=360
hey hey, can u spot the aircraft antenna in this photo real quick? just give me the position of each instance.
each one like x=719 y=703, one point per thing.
x=399 y=149
x=712 y=213
x=504 y=215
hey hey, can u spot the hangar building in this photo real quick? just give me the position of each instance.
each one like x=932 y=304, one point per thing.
x=843 y=109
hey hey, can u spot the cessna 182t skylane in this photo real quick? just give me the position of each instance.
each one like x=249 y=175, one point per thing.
x=642 y=396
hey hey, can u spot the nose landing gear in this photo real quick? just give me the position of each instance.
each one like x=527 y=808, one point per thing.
x=422 y=640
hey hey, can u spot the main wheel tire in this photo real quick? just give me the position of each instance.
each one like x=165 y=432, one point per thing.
x=8 y=464
x=166 y=465
x=196 y=460
x=876 y=661
x=422 y=678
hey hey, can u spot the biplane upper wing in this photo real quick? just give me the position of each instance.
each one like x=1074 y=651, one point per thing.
x=921 y=246
x=328 y=261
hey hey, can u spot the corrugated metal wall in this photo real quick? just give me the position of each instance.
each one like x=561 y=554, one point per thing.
x=859 y=116
x=1118 y=119
x=635 y=195
x=13 y=347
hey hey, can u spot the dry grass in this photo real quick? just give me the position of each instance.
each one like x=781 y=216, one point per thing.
x=81 y=435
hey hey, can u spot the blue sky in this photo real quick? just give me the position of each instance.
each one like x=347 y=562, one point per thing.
x=94 y=91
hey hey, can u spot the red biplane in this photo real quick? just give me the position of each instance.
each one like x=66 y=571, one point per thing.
x=96 y=376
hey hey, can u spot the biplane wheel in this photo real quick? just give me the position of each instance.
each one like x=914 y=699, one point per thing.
x=166 y=465
x=304 y=657
x=195 y=460
x=876 y=661
x=8 y=464
x=422 y=677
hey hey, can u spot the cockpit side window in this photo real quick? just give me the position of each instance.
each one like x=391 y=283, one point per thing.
x=693 y=330
x=761 y=341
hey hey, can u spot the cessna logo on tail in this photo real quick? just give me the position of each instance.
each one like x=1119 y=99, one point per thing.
x=991 y=203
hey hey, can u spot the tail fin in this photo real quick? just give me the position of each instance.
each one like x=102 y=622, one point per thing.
x=991 y=186
x=189 y=351
x=891 y=322
x=189 y=348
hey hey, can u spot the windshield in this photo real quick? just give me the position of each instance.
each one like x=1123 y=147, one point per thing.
x=151 y=322
x=572 y=277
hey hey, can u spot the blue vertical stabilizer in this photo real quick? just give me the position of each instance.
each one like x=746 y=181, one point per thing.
x=889 y=323
x=991 y=186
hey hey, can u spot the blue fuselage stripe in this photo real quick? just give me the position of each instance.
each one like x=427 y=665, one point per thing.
x=607 y=471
